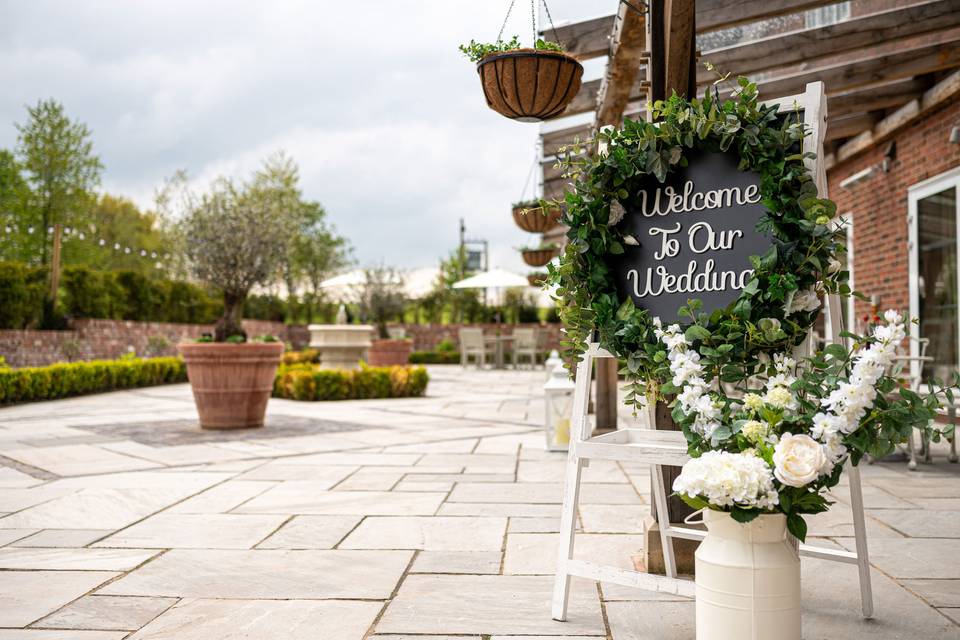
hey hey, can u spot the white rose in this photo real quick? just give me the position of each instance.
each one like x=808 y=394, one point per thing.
x=798 y=460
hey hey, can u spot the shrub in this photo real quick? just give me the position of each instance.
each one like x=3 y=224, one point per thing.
x=63 y=380
x=22 y=290
x=308 y=382
x=89 y=293
x=435 y=357
x=301 y=357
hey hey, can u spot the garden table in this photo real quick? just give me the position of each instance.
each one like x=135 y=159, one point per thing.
x=498 y=342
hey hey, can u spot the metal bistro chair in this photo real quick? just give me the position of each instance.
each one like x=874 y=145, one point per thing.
x=913 y=377
x=524 y=347
x=473 y=345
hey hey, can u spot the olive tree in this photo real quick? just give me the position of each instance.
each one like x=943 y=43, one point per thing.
x=382 y=297
x=237 y=234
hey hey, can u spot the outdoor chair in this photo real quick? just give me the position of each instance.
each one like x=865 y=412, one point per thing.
x=524 y=347
x=473 y=345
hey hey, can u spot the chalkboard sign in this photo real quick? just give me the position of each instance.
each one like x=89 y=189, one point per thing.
x=695 y=235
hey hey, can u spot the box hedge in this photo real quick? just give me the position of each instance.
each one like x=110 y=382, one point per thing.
x=308 y=382
x=64 y=380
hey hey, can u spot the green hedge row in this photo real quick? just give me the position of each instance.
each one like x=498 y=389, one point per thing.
x=308 y=382
x=116 y=295
x=63 y=380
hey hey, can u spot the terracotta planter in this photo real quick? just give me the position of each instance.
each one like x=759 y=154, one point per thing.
x=529 y=85
x=539 y=257
x=536 y=220
x=386 y=353
x=231 y=382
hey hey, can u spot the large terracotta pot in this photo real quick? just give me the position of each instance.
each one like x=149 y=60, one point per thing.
x=231 y=382
x=385 y=353
x=529 y=85
x=748 y=580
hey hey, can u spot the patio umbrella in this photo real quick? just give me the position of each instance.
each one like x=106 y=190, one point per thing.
x=493 y=279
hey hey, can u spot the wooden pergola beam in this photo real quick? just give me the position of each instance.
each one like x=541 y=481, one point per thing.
x=590 y=38
x=623 y=68
x=883 y=96
x=840 y=128
x=877 y=64
x=946 y=89
x=806 y=45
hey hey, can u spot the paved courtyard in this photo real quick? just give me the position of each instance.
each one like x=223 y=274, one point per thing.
x=431 y=517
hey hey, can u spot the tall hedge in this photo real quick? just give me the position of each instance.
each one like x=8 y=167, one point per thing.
x=116 y=295
x=22 y=289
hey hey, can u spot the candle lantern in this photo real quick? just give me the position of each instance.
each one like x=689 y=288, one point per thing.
x=551 y=362
x=558 y=400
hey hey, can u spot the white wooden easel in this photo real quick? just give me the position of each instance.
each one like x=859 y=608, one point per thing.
x=659 y=448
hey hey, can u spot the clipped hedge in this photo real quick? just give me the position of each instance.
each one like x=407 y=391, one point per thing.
x=434 y=357
x=308 y=382
x=64 y=380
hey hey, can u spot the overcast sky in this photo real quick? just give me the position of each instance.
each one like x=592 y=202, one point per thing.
x=385 y=118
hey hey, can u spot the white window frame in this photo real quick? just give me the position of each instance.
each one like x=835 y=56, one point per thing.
x=915 y=193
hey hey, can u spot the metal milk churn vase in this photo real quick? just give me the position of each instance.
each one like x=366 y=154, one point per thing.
x=748 y=580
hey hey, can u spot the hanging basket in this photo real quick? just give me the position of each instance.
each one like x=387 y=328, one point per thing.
x=529 y=85
x=536 y=279
x=539 y=257
x=536 y=219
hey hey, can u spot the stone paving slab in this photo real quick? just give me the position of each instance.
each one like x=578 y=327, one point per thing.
x=196 y=531
x=311 y=532
x=488 y=605
x=26 y=596
x=436 y=533
x=107 y=613
x=233 y=619
x=267 y=574
x=73 y=559
x=452 y=502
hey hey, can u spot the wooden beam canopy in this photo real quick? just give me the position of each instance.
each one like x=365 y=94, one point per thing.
x=623 y=68
x=590 y=38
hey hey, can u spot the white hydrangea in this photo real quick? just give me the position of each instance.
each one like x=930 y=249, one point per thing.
x=753 y=402
x=755 y=430
x=726 y=479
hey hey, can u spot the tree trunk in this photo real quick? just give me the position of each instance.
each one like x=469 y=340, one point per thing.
x=230 y=324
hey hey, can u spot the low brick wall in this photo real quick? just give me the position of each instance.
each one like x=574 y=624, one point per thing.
x=104 y=339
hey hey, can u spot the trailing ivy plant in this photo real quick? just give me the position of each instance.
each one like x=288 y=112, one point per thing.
x=477 y=51
x=774 y=310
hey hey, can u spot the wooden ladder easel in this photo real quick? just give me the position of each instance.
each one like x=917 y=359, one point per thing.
x=669 y=448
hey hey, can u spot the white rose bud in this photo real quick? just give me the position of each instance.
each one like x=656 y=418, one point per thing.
x=798 y=460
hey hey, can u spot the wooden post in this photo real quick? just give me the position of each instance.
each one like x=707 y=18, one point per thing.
x=672 y=68
x=55 y=266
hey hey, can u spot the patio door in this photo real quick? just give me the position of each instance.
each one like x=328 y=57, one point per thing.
x=934 y=212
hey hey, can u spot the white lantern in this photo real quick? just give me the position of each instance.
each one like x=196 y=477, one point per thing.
x=558 y=400
x=552 y=361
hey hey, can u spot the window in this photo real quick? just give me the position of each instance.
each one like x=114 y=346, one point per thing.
x=934 y=288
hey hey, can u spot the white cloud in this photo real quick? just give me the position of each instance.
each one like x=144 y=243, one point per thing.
x=384 y=116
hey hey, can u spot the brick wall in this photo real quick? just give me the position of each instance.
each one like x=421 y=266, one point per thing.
x=104 y=339
x=92 y=339
x=878 y=205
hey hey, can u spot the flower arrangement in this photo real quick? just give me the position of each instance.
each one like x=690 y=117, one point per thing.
x=778 y=442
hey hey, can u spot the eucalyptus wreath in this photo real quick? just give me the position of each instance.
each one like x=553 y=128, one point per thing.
x=779 y=303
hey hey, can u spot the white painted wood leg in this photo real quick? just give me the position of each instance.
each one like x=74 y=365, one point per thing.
x=663 y=520
x=860 y=538
x=571 y=497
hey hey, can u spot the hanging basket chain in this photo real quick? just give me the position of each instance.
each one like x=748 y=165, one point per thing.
x=533 y=21
x=553 y=27
x=505 y=18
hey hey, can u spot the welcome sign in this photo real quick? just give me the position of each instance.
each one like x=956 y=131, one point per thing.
x=695 y=234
